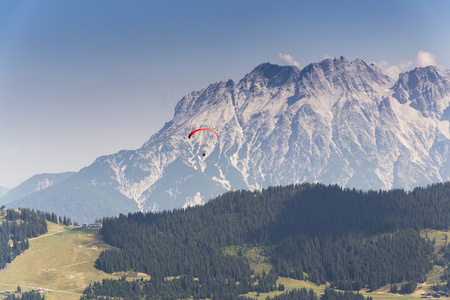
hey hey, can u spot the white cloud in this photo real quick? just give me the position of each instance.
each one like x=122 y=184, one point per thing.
x=288 y=59
x=392 y=71
x=423 y=59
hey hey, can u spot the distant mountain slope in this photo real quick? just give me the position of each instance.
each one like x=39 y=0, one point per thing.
x=82 y=202
x=333 y=122
x=34 y=184
x=3 y=191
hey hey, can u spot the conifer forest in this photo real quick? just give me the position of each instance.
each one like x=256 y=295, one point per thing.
x=348 y=238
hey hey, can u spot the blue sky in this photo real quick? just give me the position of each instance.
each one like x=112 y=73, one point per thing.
x=83 y=78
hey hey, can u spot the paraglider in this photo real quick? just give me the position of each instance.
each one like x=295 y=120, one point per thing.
x=190 y=134
x=207 y=129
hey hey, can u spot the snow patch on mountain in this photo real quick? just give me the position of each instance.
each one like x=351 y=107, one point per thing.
x=195 y=200
x=43 y=184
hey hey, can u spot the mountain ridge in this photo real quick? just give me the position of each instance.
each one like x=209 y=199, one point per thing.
x=335 y=121
x=34 y=184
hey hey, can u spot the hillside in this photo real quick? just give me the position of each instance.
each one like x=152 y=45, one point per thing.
x=335 y=122
x=349 y=239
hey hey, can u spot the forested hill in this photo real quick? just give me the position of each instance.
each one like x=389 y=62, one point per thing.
x=347 y=237
x=18 y=226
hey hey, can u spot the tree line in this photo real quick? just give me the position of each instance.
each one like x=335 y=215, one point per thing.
x=182 y=287
x=25 y=296
x=26 y=214
x=351 y=238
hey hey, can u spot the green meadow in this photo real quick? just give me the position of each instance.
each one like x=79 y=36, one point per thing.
x=60 y=262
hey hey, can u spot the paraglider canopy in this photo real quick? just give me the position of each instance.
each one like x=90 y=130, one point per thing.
x=190 y=134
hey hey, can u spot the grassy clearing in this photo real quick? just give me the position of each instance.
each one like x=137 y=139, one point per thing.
x=259 y=262
x=290 y=284
x=61 y=262
x=255 y=256
x=441 y=238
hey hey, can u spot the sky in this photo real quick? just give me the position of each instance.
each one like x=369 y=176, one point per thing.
x=81 y=78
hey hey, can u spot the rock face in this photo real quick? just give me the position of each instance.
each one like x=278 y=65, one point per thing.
x=333 y=122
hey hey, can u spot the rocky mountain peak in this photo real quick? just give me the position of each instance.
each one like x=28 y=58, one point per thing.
x=334 y=121
x=273 y=75
x=419 y=77
x=333 y=69
x=426 y=89
x=338 y=78
x=194 y=102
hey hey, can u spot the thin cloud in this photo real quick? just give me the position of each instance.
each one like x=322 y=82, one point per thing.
x=288 y=59
x=391 y=71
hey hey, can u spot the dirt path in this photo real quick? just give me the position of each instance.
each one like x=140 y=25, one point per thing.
x=52 y=233
x=45 y=289
x=79 y=263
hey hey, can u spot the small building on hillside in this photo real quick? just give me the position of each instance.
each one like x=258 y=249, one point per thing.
x=93 y=226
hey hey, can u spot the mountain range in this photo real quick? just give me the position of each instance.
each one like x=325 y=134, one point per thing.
x=334 y=121
x=34 y=184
